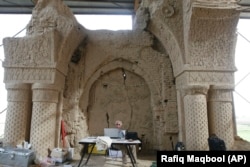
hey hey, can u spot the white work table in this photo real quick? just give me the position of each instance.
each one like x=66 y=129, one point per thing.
x=92 y=140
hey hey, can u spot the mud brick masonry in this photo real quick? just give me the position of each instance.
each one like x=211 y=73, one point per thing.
x=171 y=76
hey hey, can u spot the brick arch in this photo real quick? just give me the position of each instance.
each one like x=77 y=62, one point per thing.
x=115 y=64
x=148 y=121
x=170 y=43
x=114 y=98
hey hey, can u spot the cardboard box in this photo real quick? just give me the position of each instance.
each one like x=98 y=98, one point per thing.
x=115 y=153
x=58 y=155
x=95 y=151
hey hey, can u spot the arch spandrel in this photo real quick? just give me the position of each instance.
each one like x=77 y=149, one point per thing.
x=153 y=106
x=211 y=39
x=114 y=65
x=171 y=45
x=166 y=23
x=204 y=27
x=52 y=36
x=100 y=58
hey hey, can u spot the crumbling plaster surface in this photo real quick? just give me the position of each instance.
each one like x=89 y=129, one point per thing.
x=53 y=34
x=176 y=62
x=200 y=42
x=147 y=94
x=196 y=35
x=40 y=60
x=167 y=25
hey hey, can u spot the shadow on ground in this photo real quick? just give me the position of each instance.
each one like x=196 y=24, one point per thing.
x=144 y=160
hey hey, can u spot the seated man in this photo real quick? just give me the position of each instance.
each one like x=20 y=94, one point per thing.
x=118 y=124
x=121 y=133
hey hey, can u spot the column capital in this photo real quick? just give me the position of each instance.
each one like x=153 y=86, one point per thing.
x=222 y=87
x=17 y=86
x=195 y=89
x=18 y=92
x=58 y=83
x=221 y=93
x=39 y=86
x=45 y=93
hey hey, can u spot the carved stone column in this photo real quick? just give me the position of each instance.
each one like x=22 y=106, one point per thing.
x=44 y=118
x=196 y=123
x=220 y=114
x=181 y=118
x=17 y=125
x=41 y=58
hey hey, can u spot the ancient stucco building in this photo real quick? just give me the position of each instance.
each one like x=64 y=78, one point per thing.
x=171 y=77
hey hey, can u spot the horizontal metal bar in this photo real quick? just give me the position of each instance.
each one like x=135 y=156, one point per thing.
x=118 y=11
x=102 y=11
x=77 y=6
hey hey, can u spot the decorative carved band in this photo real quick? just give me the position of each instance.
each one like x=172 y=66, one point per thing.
x=35 y=51
x=32 y=75
x=203 y=77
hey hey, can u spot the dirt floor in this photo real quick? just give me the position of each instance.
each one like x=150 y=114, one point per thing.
x=100 y=161
x=105 y=161
x=143 y=160
x=241 y=144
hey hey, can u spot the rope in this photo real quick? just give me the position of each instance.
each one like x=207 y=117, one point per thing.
x=3 y=111
x=16 y=34
x=63 y=133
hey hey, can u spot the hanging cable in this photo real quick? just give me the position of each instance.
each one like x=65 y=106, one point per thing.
x=19 y=32
x=242 y=79
x=244 y=76
x=16 y=34
x=242 y=96
x=14 y=3
x=3 y=111
x=243 y=37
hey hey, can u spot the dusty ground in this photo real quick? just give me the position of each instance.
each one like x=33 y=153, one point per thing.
x=145 y=160
x=142 y=159
x=241 y=144
x=102 y=161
